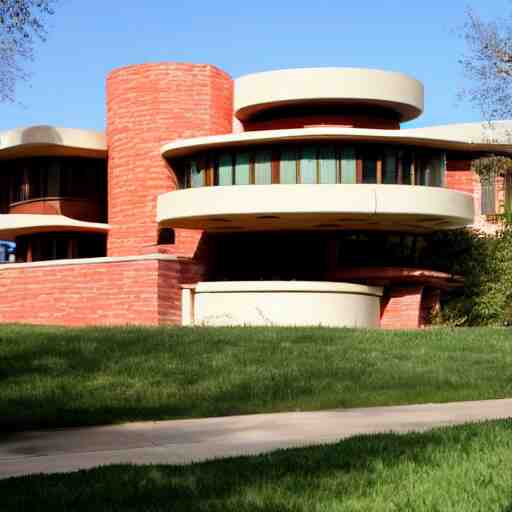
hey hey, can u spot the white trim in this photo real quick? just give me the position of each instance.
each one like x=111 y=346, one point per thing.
x=286 y=286
x=90 y=261
x=16 y=224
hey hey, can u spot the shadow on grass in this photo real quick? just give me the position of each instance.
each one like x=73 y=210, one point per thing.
x=56 y=377
x=377 y=468
x=80 y=377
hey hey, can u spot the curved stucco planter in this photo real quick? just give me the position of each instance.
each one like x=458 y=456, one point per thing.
x=299 y=303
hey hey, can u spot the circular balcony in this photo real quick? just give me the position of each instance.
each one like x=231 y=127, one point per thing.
x=315 y=207
x=15 y=225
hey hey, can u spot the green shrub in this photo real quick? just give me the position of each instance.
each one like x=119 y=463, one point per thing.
x=485 y=262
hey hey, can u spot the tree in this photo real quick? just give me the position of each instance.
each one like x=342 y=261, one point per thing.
x=22 y=23
x=488 y=65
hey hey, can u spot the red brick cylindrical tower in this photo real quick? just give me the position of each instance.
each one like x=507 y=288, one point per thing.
x=149 y=105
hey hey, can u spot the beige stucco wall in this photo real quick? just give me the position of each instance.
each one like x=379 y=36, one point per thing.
x=284 y=303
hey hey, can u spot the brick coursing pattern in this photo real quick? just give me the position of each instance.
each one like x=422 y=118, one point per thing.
x=459 y=176
x=149 y=105
x=400 y=308
x=145 y=292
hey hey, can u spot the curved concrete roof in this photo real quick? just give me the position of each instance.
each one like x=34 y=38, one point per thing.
x=281 y=207
x=51 y=140
x=262 y=91
x=462 y=137
x=13 y=224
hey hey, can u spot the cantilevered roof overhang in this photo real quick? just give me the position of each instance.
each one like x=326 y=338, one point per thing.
x=393 y=91
x=13 y=225
x=461 y=137
x=52 y=141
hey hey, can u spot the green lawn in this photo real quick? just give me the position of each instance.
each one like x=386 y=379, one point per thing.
x=55 y=377
x=464 y=469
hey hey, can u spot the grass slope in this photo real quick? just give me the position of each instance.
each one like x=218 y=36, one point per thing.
x=55 y=377
x=464 y=469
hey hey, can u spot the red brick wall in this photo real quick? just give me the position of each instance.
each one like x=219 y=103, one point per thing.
x=170 y=276
x=149 y=105
x=459 y=175
x=401 y=308
x=127 y=292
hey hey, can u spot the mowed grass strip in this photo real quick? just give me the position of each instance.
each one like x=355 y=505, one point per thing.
x=58 y=377
x=464 y=469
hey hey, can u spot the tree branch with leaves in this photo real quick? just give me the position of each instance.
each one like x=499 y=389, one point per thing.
x=488 y=65
x=22 y=24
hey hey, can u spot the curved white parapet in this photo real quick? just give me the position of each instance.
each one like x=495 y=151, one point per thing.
x=464 y=137
x=299 y=303
x=268 y=207
x=51 y=140
x=395 y=91
x=13 y=225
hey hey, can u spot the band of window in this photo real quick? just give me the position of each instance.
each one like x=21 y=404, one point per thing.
x=316 y=164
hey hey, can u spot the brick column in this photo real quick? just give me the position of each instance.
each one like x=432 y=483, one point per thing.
x=149 y=105
x=401 y=308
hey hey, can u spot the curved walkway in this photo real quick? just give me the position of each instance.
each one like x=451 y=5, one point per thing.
x=185 y=441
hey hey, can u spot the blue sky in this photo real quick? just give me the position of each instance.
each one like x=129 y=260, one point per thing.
x=89 y=38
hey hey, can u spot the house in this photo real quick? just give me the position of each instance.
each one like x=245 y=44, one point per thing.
x=288 y=197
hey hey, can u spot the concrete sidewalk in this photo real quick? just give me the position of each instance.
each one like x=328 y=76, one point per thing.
x=185 y=441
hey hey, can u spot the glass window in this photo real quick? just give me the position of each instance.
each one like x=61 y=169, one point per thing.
x=53 y=179
x=71 y=181
x=225 y=169
x=389 y=168
x=308 y=165
x=488 y=197
x=327 y=164
x=263 y=167
x=36 y=178
x=434 y=175
x=18 y=189
x=323 y=163
x=288 y=167
x=420 y=173
x=197 y=175
x=369 y=169
x=406 y=163
x=348 y=165
x=242 y=169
